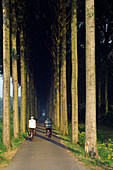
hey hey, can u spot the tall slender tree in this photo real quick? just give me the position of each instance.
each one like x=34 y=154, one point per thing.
x=64 y=86
x=106 y=72
x=54 y=95
x=27 y=98
x=14 y=72
x=23 y=91
x=36 y=104
x=74 y=85
x=32 y=96
x=61 y=110
x=106 y=90
x=58 y=66
x=90 y=126
x=57 y=85
x=6 y=74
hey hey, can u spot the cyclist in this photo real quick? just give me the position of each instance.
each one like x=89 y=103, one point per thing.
x=48 y=125
x=32 y=124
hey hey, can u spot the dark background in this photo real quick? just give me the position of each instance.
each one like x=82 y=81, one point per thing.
x=40 y=16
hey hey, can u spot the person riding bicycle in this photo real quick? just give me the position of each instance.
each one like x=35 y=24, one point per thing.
x=32 y=124
x=48 y=125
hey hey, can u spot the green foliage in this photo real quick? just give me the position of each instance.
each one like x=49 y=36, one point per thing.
x=3 y=159
x=23 y=135
x=104 y=147
x=105 y=150
x=11 y=123
x=13 y=54
x=69 y=129
x=90 y=14
x=102 y=151
x=14 y=142
x=20 y=16
x=100 y=137
x=2 y=147
x=82 y=45
x=81 y=137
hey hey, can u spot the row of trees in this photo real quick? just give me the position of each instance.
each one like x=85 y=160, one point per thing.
x=85 y=82
x=14 y=39
x=58 y=96
x=62 y=29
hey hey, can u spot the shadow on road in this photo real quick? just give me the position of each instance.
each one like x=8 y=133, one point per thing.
x=51 y=140
x=58 y=144
x=52 y=133
x=41 y=128
x=40 y=132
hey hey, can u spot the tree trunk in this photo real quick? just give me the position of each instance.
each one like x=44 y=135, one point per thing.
x=99 y=95
x=57 y=83
x=106 y=91
x=15 y=75
x=36 y=104
x=6 y=74
x=23 y=91
x=90 y=129
x=74 y=85
x=15 y=91
x=54 y=103
x=32 y=96
x=27 y=98
x=50 y=103
x=30 y=93
x=64 y=87
x=61 y=110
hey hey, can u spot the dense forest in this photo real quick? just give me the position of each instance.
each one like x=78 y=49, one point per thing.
x=61 y=53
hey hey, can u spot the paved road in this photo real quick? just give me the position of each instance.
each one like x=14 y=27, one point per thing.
x=43 y=154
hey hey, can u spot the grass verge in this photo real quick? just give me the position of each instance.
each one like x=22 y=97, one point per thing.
x=7 y=154
x=104 y=146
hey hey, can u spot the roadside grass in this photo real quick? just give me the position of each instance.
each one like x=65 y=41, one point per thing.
x=15 y=143
x=3 y=160
x=104 y=147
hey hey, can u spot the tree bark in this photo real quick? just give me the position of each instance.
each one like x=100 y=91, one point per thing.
x=61 y=105
x=90 y=129
x=64 y=86
x=28 y=97
x=74 y=85
x=23 y=91
x=32 y=96
x=6 y=74
x=57 y=91
x=15 y=74
x=15 y=91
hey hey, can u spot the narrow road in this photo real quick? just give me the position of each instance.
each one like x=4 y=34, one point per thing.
x=43 y=154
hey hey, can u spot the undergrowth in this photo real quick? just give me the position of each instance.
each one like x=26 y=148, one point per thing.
x=14 y=142
x=104 y=147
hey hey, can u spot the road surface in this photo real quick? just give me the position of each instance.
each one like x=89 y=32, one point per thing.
x=43 y=154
